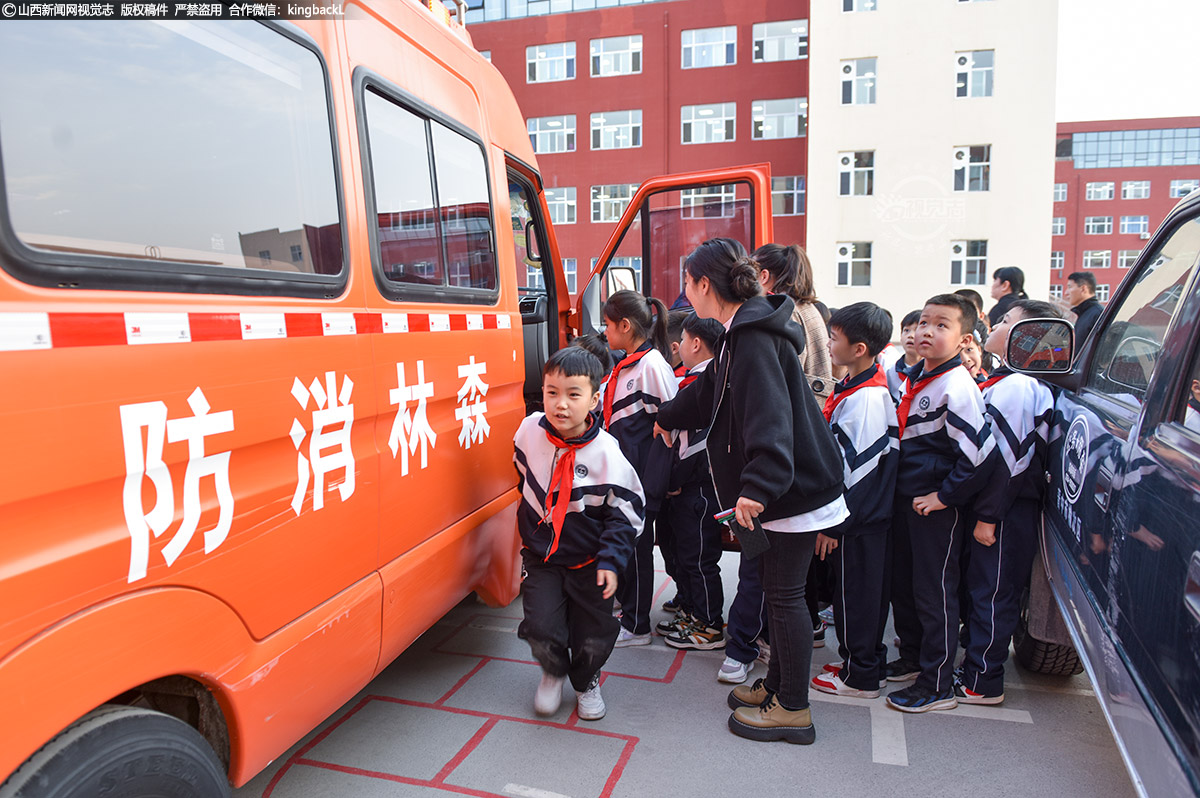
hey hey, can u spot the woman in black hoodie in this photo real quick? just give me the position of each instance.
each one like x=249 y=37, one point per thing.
x=773 y=459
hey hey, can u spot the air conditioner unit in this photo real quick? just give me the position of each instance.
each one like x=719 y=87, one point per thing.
x=962 y=154
x=1144 y=236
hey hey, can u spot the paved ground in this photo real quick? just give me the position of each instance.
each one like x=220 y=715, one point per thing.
x=454 y=715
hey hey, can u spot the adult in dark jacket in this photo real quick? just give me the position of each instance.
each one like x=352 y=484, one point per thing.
x=773 y=459
x=1080 y=294
x=1008 y=285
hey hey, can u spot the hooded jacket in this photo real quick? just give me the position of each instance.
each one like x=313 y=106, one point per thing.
x=768 y=439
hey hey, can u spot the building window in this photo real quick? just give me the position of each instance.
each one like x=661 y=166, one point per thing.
x=533 y=277
x=570 y=270
x=968 y=263
x=1096 y=259
x=1135 y=189
x=787 y=196
x=973 y=168
x=1102 y=292
x=616 y=130
x=1060 y=192
x=1097 y=225
x=561 y=202
x=781 y=41
x=1058 y=226
x=1056 y=291
x=1127 y=257
x=1100 y=191
x=552 y=133
x=297 y=253
x=545 y=63
x=487 y=55
x=856 y=173
x=1181 y=188
x=1057 y=260
x=1135 y=226
x=858 y=81
x=1104 y=149
x=609 y=202
x=617 y=55
x=854 y=263
x=710 y=201
x=779 y=119
x=710 y=47
x=708 y=123
x=859 y=5
x=974 y=73
x=264 y=257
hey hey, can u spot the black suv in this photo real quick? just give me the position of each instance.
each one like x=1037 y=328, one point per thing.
x=1121 y=531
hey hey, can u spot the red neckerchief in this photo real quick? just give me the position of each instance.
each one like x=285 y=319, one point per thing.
x=563 y=479
x=990 y=381
x=611 y=382
x=681 y=371
x=841 y=391
x=914 y=388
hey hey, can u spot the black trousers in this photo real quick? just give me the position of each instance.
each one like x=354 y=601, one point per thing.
x=937 y=541
x=784 y=568
x=859 y=606
x=899 y=582
x=996 y=575
x=664 y=536
x=635 y=587
x=568 y=623
x=697 y=552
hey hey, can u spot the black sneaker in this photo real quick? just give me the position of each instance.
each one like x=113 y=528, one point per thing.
x=819 y=635
x=673 y=625
x=900 y=671
x=697 y=636
x=919 y=699
x=674 y=605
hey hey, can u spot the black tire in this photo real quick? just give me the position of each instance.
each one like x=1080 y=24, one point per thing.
x=121 y=752
x=1038 y=656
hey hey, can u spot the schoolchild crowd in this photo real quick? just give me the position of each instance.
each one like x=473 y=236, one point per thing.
x=908 y=478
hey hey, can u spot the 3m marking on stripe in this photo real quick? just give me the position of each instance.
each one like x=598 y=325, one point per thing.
x=474 y=321
x=157 y=328
x=24 y=331
x=395 y=322
x=531 y=792
x=263 y=325
x=504 y=321
x=337 y=324
x=439 y=322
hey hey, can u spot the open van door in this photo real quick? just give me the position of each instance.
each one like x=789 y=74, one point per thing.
x=666 y=219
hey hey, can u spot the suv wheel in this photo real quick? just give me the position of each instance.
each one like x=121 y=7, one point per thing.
x=1052 y=659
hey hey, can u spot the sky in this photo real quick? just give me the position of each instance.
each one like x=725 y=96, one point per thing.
x=1127 y=59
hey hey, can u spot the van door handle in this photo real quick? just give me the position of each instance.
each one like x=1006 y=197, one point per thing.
x=1191 y=591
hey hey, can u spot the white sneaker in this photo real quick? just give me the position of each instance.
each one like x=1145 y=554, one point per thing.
x=627 y=638
x=832 y=683
x=590 y=704
x=734 y=672
x=764 y=652
x=548 y=697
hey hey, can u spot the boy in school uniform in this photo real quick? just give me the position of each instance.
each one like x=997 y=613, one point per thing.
x=946 y=457
x=908 y=341
x=1007 y=511
x=663 y=531
x=581 y=511
x=863 y=418
x=693 y=502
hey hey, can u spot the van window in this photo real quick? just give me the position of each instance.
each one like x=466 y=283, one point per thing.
x=1130 y=345
x=433 y=213
x=180 y=150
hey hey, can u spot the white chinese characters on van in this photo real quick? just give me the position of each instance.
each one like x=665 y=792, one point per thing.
x=472 y=408
x=411 y=430
x=329 y=442
x=144 y=459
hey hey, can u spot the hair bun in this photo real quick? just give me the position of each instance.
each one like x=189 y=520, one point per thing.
x=743 y=278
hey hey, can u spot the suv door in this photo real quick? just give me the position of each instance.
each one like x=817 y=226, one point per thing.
x=666 y=218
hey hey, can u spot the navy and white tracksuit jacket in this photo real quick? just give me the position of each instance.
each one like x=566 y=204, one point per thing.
x=864 y=424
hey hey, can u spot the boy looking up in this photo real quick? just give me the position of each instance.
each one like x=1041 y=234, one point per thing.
x=581 y=510
x=946 y=458
x=863 y=418
x=908 y=342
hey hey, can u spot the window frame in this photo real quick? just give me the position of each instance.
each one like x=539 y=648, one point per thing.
x=572 y=132
x=572 y=59
x=755 y=39
x=850 y=174
x=1127 y=263
x=972 y=76
x=1112 y=190
x=115 y=273
x=631 y=124
x=593 y=58
x=966 y=260
x=1058 y=259
x=1174 y=189
x=801 y=113
x=1060 y=188
x=566 y=203
x=799 y=190
x=365 y=79
x=854 y=78
x=724 y=44
x=724 y=120
x=1058 y=226
x=850 y=260
x=1087 y=253
x=1097 y=225
x=633 y=187
x=1129 y=186
x=1139 y=220
x=968 y=167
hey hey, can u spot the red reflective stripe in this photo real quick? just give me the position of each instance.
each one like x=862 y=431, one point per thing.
x=367 y=323
x=458 y=321
x=302 y=324
x=215 y=326
x=490 y=321
x=87 y=329
x=418 y=322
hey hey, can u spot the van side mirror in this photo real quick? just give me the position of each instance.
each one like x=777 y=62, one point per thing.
x=620 y=278
x=1040 y=346
x=531 y=244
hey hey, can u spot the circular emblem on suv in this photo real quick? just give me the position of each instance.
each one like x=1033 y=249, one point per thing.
x=1075 y=458
x=924 y=403
x=581 y=471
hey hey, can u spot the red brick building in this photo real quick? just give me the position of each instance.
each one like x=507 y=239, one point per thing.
x=616 y=95
x=1115 y=181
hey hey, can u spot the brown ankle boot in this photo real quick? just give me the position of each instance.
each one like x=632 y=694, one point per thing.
x=749 y=696
x=771 y=722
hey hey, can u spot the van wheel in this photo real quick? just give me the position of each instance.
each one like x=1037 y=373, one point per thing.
x=122 y=752
x=1052 y=659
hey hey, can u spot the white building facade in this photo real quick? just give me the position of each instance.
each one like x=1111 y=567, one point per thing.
x=930 y=147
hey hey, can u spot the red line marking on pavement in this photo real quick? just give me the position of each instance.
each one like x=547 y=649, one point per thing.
x=463 y=680
x=511 y=719
x=296 y=757
x=375 y=774
x=618 y=769
x=658 y=594
x=676 y=664
x=465 y=751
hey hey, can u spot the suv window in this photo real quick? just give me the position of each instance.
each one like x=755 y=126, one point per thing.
x=151 y=154
x=1130 y=345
